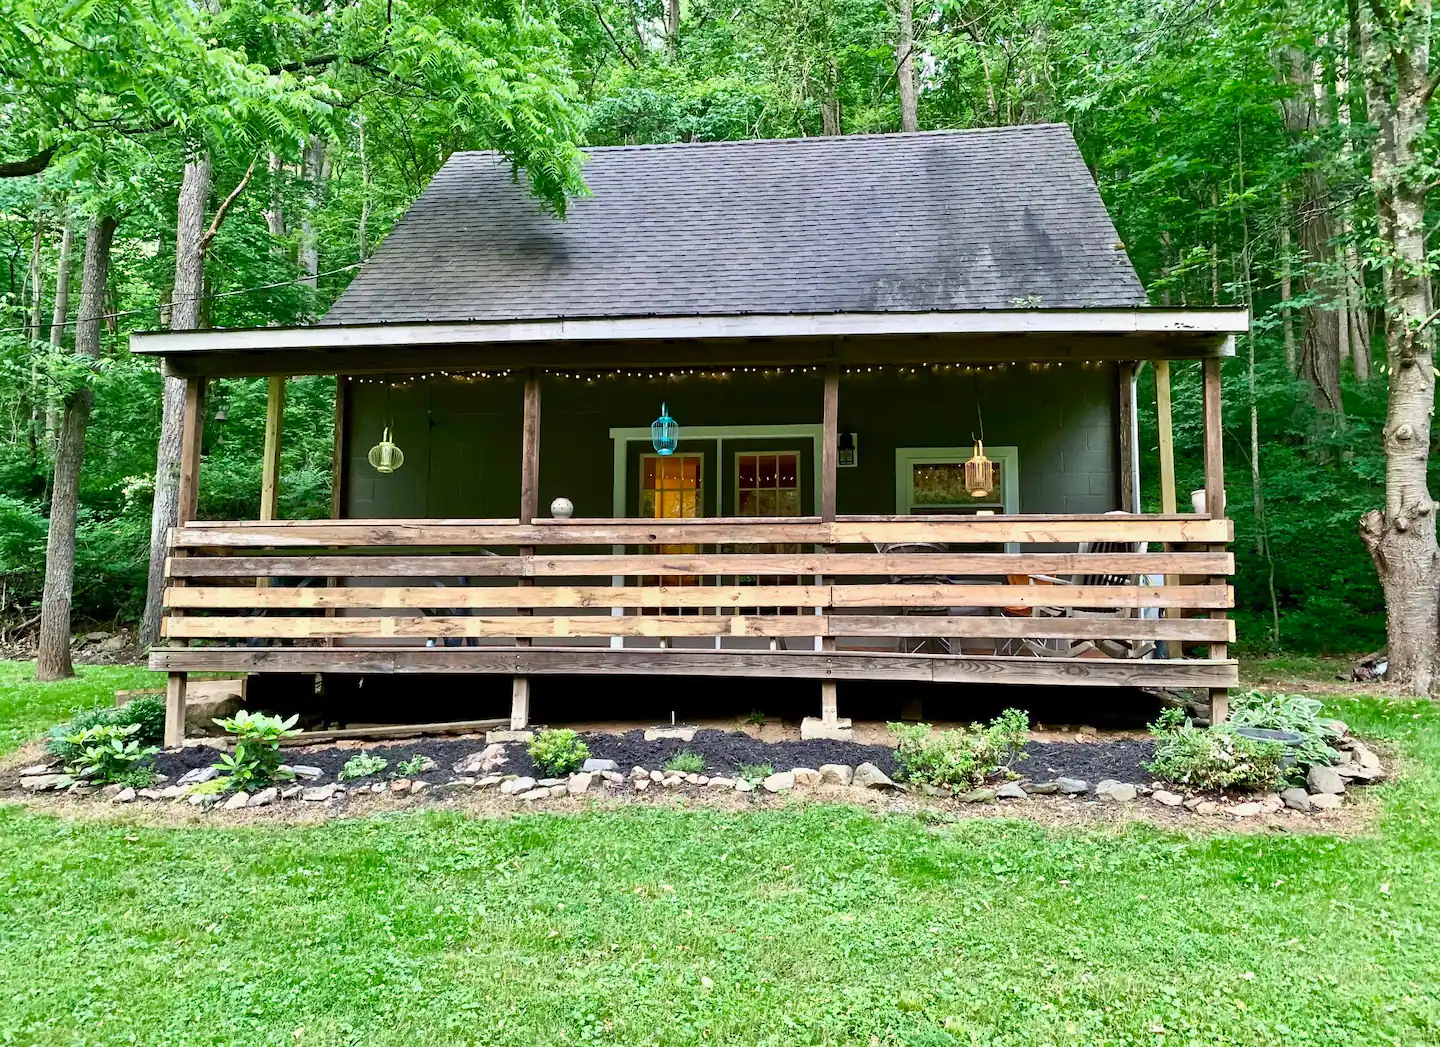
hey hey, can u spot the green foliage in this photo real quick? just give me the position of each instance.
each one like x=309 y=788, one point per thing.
x=107 y=751
x=1214 y=758
x=362 y=765
x=963 y=758
x=146 y=714
x=558 y=752
x=256 y=759
x=1288 y=712
x=416 y=765
x=754 y=772
x=686 y=762
x=756 y=718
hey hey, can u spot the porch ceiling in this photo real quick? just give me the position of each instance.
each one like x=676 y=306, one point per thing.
x=851 y=338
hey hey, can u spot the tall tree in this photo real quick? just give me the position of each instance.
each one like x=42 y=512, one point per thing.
x=905 y=65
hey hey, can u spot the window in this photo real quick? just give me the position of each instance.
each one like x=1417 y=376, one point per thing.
x=670 y=486
x=932 y=480
x=767 y=484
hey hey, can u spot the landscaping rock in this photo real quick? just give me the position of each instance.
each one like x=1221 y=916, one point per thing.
x=836 y=773
x=1322 y=779
x=722 y=783
x=198 y=776
x=488 y=781
x=806 y=777
x=515 y=786
x=613 y=777
x=547 y=782
x=1325 y=801
x=1010 y=791
x=318 y=793
x=42 y=783
x=744 y=785
x=639 y=772
x=1105 y=785
x=1296 y=799
x=557 y=791
x=1247 y=810
x=265 y=797
x=697 y=779
x=684 y=734
x=173 y=792
x=401 y=786
x=1040 y=788
x=291 y=793
x=485 y=761
x=236 y=801
x=151 y=794
x=868 y=776
x=641 y=784
x=203 y=799
x=418 y=786
x=781 y=782
x=531 y=795
x=1168 y=798
x=1272 y=802
x=813 y=728
x=1072 y=786
x=36 y=769
x=1364 y=756
x=1365 y=775
x=497 y=737
x=592 y=765
x=304 y=771
x=1118 y=792
x=670 y=781
x=1207 y=807
x=579 y=784
x=977 y=796
x=124 y=796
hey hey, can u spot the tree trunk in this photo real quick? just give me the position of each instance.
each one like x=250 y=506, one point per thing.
x=52 y=655
x=315 y=168
x=1401 y=537
x=672 y=26
x=184 y=316
x=275 y=213
x=830 y=120
x=34 y=332
x=905 y=66
x=1287 y=282
x=362 y=235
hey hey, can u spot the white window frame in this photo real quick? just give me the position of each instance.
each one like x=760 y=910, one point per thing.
x=906 y=458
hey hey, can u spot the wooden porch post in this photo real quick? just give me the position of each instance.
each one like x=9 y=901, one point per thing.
x=192 y=430
x=1129 y=451
x=529 y=510
x=829 y=725
x=270 y=469
x=1165 y=430
x=338 y=453
x=1215 y=507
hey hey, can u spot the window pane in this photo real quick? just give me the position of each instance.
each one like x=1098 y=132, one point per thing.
x=767 y=470
x=649 y=480
x=765 y=506
x=789 y=503
x=747 y=471
x=787 y=470
x=647 y=504
x=747 y=503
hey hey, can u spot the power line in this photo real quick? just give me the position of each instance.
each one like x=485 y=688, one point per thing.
x=200 y=297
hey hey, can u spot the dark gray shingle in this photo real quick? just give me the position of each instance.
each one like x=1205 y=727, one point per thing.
x=909 y=223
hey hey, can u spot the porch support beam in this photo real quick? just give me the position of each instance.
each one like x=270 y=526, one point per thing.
x=830 y=725
x=1215 y=506
x=1129 y=440
x=192 y=433
x=270 y=466
x=529 y=510
x=1165 y=429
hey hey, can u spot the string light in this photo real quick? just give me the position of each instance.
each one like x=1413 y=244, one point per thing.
x=721 y=373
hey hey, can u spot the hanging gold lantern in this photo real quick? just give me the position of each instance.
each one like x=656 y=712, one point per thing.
x=979 y=473
x=385 y=457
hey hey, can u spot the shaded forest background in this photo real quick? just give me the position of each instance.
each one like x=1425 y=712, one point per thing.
x=1229 y=139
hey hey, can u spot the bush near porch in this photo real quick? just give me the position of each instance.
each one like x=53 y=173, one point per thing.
x=660 y=925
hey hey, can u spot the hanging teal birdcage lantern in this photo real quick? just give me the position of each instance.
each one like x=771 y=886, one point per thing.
x=664 y=433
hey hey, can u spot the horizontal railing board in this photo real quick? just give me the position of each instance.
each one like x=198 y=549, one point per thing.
x=957 y=530
x=567 y=626
x=923 y=594
x=829 y=665
x=606 y=564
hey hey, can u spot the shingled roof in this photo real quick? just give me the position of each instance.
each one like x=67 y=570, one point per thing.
x=943 y=221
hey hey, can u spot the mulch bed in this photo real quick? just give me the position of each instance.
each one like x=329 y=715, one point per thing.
x=723 y=752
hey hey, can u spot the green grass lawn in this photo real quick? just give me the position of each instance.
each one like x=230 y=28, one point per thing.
x=821 y=925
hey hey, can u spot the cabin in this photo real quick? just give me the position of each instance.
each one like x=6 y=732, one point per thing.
x=824 y=409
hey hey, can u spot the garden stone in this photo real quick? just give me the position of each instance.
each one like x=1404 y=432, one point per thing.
x=40 y=783
x=557 y=791
x=1167 y=798
x=482 y=762
x=548 y=782
x=531 y=795
x=684 y=734
x=265 y=797
x=657 y=776
x=203 y=800
x=304 y=771
x=1104 y=785
x=641 y=784
x=639 y=772
x=613 y=777
x=319 y=793
x=1325 y=801
x=1040 y=788
x=1364 y=756
x=1296 y=799
x=124 y=796
x=198 y=776
x=670 y=781
x=488 y=781
x=836 y=773
x=1119 y=792
x=464 y=780
x=1272 y=802
x=291 y=793
x=592 y=765
x=1247 y=810
x=1010 y=791
x=237 y=801
x=173 y=792
x=1207 y=807
x=977 y=796
x=931 y=790
x=400 y=786
x=868 y=776
x=1323 y=779
x=722 y=783
x=579 y=784
x=744 y=785
x=1072 y=786
x=515 y=786
x=35 y=769
x=151 y=794
x=1367 y=774
x=781 y=782
x=806 y=776
x=418 y=787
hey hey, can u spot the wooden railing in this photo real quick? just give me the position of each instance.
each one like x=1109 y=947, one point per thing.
x=328 y=582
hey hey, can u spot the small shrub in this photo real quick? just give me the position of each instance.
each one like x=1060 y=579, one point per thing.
x=256 y=759
x=558 y=752
x=1288 y=712
x=686 y=762
x=140 y=777
x=754 y=772
x=1215 y=758
x=963 y=758
x=106 y=752
x=146 y=713
x=416 y=765
x=756 y=718
x=362 y=765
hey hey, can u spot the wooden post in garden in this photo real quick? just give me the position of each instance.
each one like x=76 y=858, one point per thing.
x=1165 y=430
x=529 y=510
x=830 y=725
x=1215 y=507
x=1129 y=451
x=192 y=431
x=270 y=467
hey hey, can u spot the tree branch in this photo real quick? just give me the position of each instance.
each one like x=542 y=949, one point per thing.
x=604 y=25
x=224 y=208
x=29 y=166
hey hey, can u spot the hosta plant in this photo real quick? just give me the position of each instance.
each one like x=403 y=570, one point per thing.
x=362 y=765
x=256 y=759
x=107 y=752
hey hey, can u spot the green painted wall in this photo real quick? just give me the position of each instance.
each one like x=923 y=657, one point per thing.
x=461 y=438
